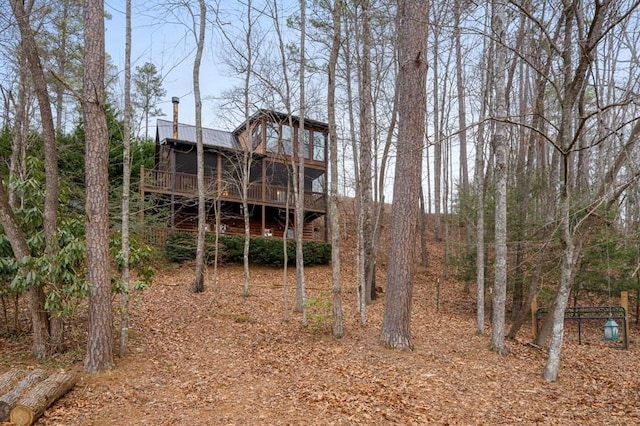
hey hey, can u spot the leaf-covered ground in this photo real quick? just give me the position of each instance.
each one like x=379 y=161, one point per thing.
x=220 y=358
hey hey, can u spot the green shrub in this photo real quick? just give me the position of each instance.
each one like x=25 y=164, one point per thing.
x=232 y=247
x=181 y=247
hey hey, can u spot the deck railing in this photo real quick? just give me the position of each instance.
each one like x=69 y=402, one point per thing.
x=186 y=184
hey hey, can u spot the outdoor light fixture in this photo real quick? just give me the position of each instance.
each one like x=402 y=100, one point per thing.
x=611 y=330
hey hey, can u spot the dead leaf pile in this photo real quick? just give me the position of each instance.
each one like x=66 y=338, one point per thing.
x=221 y=358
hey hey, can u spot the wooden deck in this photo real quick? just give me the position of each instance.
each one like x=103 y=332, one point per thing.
x=185 y=184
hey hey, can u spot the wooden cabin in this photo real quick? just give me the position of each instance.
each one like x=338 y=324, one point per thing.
x=269 y=139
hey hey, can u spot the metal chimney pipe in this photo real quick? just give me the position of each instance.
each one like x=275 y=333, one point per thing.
x=175 y=100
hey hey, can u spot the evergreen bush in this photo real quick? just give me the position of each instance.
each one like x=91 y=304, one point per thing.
x=181 y=246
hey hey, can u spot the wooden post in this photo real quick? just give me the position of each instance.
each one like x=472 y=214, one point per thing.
x=534 y=320
x=624 y=302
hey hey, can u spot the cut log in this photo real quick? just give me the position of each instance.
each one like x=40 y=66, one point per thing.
x=9 y=379
x=33 y=403
x=5 y=409
x=31 y=379
x=21 y=415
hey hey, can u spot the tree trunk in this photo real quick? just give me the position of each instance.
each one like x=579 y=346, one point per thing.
x=50 y=153
x=396 y=332
x=21 y=251
x=464 y=190
x=334 y=225
x=555 y=346
x=126 y=186
x=198 y=284
x=20 y=129
x=355 y=147
x=437 y=144
x=247 y=155
x=501 y=147
x=33 y=404
x=422 y=220
x=300 y=283
x=462 y=110
x=99 y=355
x=61 y=63
x=480 y=222
x=481 y=177
x=365 y=171
x=567 y=137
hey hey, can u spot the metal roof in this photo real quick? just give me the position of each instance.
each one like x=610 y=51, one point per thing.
x=187 y=133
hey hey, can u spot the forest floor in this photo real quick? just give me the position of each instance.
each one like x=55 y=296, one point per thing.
x=219 y=358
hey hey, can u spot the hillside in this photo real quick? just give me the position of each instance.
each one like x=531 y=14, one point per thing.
x=220 y=358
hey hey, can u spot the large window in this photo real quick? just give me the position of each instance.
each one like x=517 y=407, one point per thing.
x=287 y=140
x=256 y=136
x=307 y=142
x=272 y=137
x=318 y=146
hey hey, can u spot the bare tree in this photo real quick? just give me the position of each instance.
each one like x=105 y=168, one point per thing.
x=365 y=197
x=247 y=152
x=501 y=147
x=575 y=75
x=464 y=190
x=299 y=189
x=480 y=200
x=413 y=18
x=199 y=29
x=336 y=279
x=126 y=185
x=243 y=162
x=437 y=132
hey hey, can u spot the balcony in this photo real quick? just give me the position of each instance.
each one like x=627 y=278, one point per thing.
x=186 y=185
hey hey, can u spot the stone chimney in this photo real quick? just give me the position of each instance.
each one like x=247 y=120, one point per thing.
x=175 y=100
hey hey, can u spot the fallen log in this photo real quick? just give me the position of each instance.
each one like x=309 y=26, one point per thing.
x=9 y=379
x=16 y=391
x=33 y=404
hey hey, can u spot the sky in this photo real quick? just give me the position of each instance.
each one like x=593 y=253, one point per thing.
x=171 y=48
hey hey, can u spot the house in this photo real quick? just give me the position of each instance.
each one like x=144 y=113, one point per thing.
x=270 y=140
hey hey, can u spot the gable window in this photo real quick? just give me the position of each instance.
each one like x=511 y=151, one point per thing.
x=318 y=146
x=256 y=136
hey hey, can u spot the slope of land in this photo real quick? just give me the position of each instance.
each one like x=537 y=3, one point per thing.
x=220 y=358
